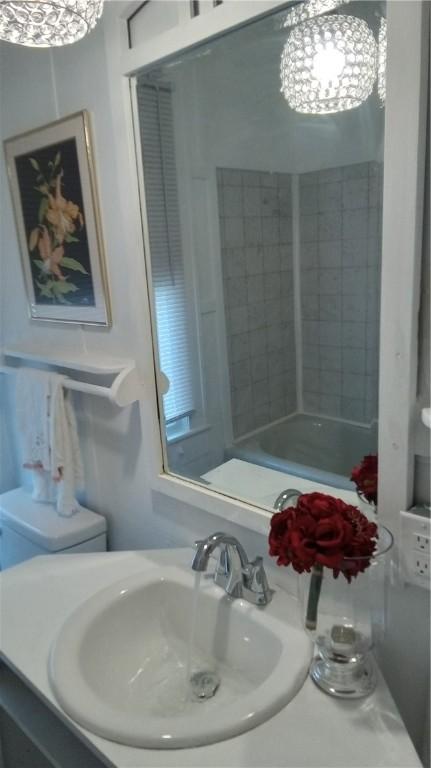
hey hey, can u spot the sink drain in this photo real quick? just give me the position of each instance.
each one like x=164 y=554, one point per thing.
x=204 y=684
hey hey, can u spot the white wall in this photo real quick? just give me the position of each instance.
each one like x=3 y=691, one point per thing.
x=116 y=444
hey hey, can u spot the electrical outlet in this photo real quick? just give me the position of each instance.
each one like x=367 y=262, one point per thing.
x=421 y=565
x=415 y=546
x=421 y=543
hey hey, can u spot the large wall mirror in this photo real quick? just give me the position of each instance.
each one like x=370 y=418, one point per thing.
x=262 y=158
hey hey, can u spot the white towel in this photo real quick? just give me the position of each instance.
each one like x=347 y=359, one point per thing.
x=49 y=438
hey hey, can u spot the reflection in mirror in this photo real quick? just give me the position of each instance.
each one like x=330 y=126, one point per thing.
x=263 y=207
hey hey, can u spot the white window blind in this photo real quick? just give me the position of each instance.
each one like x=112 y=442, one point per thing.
x=161 y=193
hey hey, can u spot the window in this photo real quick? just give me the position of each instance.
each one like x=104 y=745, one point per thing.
x=158 y=150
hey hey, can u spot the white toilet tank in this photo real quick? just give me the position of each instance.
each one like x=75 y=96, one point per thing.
x=30 y=528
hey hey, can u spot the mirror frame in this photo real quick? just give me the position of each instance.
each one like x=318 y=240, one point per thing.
x=404 y=159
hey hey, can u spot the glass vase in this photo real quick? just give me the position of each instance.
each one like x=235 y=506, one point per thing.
x=345 y=620
x=367 y=507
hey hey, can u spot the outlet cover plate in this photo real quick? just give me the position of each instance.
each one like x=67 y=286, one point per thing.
x=415 y=546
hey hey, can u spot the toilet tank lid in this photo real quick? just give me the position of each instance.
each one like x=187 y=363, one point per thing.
x=40 y=523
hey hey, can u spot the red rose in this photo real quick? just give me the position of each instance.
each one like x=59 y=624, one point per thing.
x=365 y=477
x=322 y=530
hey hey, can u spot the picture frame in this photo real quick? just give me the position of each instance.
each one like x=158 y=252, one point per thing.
x=54 y=197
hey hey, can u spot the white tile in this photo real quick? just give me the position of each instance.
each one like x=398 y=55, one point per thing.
x=277 y=409
x=330 y=307
x=330 y=382
x=242 y=400
x=241 y=374
x=355 y=193
x=330 y=405
x=311 y=355
x=231 y=177
x=354 y=386
x=355 y=281
x=356 y=171
x=254 y=260
x=239 y=347
x=271 y=258
x=272 y=286
x=257 y=342
x=329 y=254
x=308 y=227
x=251 y=201
x=330 y=333
x=352 y=409
x=254 y=285
x=308 y=199
x=261 y=415
x=311 y=380
x=310 y=307
x=354 y=308
x=310 y=281
x=236 y=291
x=353 y=335
x=330 y=358
x=232 y=201
x=259 y=368
x=260 y=392
x=354 y=360
x=269 y=204
x=329 y=281
x=252 y=230
x=330 y=196
x=268 y=180
x=286 y=233
x=311 y=402
x=330 y=174
x=309 y=255
x=330 y=225
x=234 y=261
x=355 y=252
x=270 y=230
x=256 y=315
x=234 y=232
x=273 y=312
x=355 y=224
x=277 y=387
x=238 y=320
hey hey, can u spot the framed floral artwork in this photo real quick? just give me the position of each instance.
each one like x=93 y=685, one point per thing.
x=54 y=197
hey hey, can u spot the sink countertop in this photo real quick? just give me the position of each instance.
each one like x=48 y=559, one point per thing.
x=314 y=730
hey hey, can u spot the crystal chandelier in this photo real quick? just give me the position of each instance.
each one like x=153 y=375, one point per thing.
x=381 y=60
x=310 y=9
x=328 y=65
x=43 y=24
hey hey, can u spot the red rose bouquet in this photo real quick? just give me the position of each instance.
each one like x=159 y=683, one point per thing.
x=322 y=532
x=364 y=475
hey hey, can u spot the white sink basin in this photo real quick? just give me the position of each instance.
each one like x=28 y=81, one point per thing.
x=118 y=665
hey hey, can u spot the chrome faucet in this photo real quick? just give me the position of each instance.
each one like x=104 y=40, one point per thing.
x=234 y=572
x=285 y=499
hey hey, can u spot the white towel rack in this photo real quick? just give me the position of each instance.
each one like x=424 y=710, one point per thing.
x=123 y=390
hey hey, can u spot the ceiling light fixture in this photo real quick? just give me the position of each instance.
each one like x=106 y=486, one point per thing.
x=41 y=24
x=328 y=65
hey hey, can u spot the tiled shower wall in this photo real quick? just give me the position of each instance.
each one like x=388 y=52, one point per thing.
x=256 y=233
x=340 y=232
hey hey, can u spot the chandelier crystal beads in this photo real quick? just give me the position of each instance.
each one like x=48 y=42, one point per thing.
x=43 y=24
x=328 y=65
x=381 y=60
x=310 y=9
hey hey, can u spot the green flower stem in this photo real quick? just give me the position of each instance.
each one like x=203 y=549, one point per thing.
x=313 y=597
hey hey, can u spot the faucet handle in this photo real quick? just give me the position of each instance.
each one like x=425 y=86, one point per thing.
x=228 y=573
x=256 y=583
